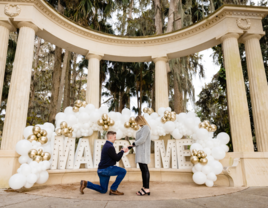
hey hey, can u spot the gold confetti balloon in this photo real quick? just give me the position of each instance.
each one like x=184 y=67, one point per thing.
x=127 y=124
x=194 y=160
x=32 y=153
x=43 y=139
x=203 y=161
x=59 y=132
x=63 y=125
x=36 y=129
x=46 y=156
x=100 y=122
x=38 y=158
x=75 y=109
x=31 y=138
x=105 y=127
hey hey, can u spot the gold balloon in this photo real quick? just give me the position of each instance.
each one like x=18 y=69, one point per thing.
x=43 y=139
x=65 y=131
x=75 y=109
x=127 y=124
x=111 y=122
x=145 y=110
x=105 y=127
x=136 y=127
x=206 y=123
x=31 y=138
x=38 y=135
x=59 y=132
x=63 y=125
x=201 y=125
x=36 y=129
x=78 y=103
x=70 y=128
x=213 y=127
x=32 y=153
x=100 y=122
x=173 y=118
x=164 y=120
x=132 y=120
x=69 y=134
x=105 y=116
x=194 y=152
x=46 y=156
x=38 y=158
x=203 y=155
x=173 y=113
x=200 y=151
x=39 y=152
x=166 y=112
x=44 y=133
x=207 y=128
x=198 y=155
x=194 y=160
x=84 y=104
x=203 y=161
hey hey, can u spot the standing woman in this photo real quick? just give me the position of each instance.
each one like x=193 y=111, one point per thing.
x=143 y=152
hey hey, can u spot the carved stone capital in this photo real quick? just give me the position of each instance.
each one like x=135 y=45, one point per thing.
x=243 y=23
x=94 y=55
x=229 y=35
x=12 y=10
x=28 y=24
x=246 y=37
x=10 y=27
x=162 y=58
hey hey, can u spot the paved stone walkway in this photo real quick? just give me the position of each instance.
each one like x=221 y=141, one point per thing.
x=253 y=197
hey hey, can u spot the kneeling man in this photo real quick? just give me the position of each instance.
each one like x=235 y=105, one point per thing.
x=107 y=168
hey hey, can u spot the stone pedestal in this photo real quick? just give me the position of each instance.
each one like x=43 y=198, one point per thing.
x=93 y=79
x=236 y=94
x=258 y=89
x=161 y=83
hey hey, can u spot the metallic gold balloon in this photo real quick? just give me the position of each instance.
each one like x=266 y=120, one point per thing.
x=63 y=125
x=203 y=161
x=78 y=103
x=65 y=131
x=194 y=160
x=111 y=122
x=207 y=128
x=44 y=133
x=39 y=151
x=200 y=151
x=136 y=127
x=206 y=123
x=198 y=155
x=104 y=116
x=84 y=104
x=46 y=156
x=166 y=112
x=70 y=134
x=32 y=153
x=173 y=113
x=213 y=127
x=132 y=120
x=145 y=110
x=43 y=139
x=38 y=135
x=194 y=152
x=164 y=120
x=75 y=109
x=105 y=127
x=31 y=138
x=127 y=124
x=201 y=125
x=38 y=158
x=70 y=128
x=59 y=132
x=173 y=118
x=203 y=155
x=100 y=122
x=36 y=129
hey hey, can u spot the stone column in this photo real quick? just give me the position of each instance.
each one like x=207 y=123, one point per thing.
x=258 y=89
x=161 y=83
x=93 y=88
x=236 y=94
x=18 y=97
x=5 y=28
x=161 y=87
x=93 y=79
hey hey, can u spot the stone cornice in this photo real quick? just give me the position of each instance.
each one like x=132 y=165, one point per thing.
x=221 y=13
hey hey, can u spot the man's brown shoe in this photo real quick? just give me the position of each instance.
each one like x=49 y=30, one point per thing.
x=115 y=192
x=83 y=185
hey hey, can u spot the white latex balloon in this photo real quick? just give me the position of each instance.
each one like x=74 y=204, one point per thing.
x=90 y=132
x=43 y=177
x=119 y=134
x=95 y=116
x=223 y=138
x=60 y=116
x=103 y=109
x=31 y=178
x=196 y=146
x=154 y=115
x=47 y=164
x=224 y=147
x=19 y=170
x=113 y=116
x=202 y=134
x=28 y=131
x=90 y=108
x=72 y=120
x=28 y=185
x=69 y=110
x=216 y=167
x=176 y=134
x=126 y=112
x=33 y=164
x=218 y=153
x=25 y=169
x=211 y=176
x=210 y=159
x=199 y=178
x=169 y=126
x=161 y=111
x=206 y=169
x=23 y=159
x=207 y=150
x=181 y=117
x=49 y=125
x=198 y=167
x=194 y=170
x=17 y=181
x=209 y=183
x=23 y=147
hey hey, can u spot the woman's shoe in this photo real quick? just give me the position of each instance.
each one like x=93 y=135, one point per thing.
x=143 y=193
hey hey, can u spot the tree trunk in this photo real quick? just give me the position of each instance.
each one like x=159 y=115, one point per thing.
x=171 y=16
x=62 y=82
x=56 y=78
x=130 y=16
x=212 y=8
x=66 y=100
x=153 y=95
x=158 y=17
x=177 y=15
x=178 y=102
x=73 y=86
x=128 y=98
x=141 y=92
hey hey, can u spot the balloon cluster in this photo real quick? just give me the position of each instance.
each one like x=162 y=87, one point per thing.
x=198 y=156
x=209 y=127
x=39 y=135
x=168 y=116
x=39 y=155
x=132 y=124
x=64 y=130
x=148 y=110
x=78 y=104
x=105 y=122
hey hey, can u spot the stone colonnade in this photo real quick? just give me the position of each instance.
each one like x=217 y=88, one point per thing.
x=17 y=106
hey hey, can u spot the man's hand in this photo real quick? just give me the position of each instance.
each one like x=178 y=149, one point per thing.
x=125 y=149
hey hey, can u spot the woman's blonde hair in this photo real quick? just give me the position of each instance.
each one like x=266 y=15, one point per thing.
x=141 y=121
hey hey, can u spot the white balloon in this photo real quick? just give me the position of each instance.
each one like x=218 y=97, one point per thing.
x=95 y=116
x=207 y=150
x=23 y=159
x=50 y=126
x=119 y=134
x=223 y=138
x=69 y=110
x=181 y=117
x=90 y=108
x=17 y=181
x=169 y=126
x=211 y=176
x=47 y=164
x=126 y=112
x=210 y=159
x=199 y=178
x=72 y=120
x=168 y=109
x=196 y=146
x=209 y=183
x=112 y=115
x=31 y=178
x=23 y=147
x=28 y=185
x=25 y=169
x=224 y=147
x=216 y=167
x=176 y=134
x=90 y=132
x=154 y=115
x=33 y=164
x=161 y=111
x=218 y=153
x=28 y=131
x=19 y=170
x=194 y=170
x=206 y=169
x=202 y=134
x=43 y=177
x=60 y=116
x=198 y=167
